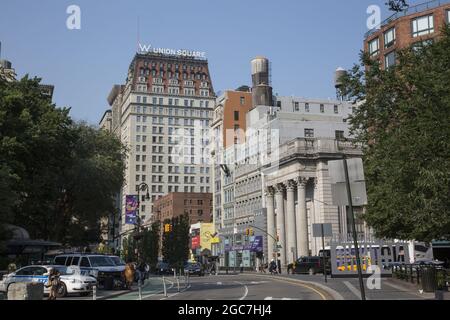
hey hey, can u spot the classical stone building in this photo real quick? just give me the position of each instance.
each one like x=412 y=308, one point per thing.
x=298 y=194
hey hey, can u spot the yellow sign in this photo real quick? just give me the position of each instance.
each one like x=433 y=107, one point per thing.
x=206 y=235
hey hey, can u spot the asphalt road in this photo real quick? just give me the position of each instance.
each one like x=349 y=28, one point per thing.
x=238 y=287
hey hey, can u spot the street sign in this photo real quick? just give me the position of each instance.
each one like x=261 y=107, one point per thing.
x=327 y=230
x=336 y=172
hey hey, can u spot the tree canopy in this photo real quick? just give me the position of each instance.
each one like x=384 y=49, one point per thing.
x=402 y=116
x=57 y=177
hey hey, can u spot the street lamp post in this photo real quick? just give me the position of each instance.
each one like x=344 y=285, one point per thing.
x=142 y=187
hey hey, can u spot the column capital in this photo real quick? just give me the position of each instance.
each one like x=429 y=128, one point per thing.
x=290 y=185
x=302 y=181
x=279 y=188
x=270 y=191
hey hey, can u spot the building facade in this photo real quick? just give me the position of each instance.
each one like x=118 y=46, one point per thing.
x=198 y=206
x=416 y=26
x=163 y=114
x=275 y=183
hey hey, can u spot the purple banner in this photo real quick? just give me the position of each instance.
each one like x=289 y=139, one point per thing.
x=131 y=208
x=255 y=246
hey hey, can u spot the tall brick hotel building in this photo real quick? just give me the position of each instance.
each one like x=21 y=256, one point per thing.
x=417 y=25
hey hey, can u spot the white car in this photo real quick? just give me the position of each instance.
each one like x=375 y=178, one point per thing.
x=73 y=279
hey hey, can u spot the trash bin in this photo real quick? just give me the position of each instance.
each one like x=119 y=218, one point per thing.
x=429 y=283
x=109 y=283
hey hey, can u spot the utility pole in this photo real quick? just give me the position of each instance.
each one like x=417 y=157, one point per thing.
x=143 y=186
x=355 y=235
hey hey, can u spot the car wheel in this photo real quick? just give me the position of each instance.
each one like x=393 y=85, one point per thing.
x=62 y=291
x=311 y=271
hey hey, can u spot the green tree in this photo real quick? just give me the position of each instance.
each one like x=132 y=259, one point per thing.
x=58 y=178
x=175 y=245
x=402 y=117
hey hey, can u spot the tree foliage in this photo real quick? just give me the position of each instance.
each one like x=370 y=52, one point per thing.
x=397 y=5
x=58 y=177
x=402 y=117
x=175 y=244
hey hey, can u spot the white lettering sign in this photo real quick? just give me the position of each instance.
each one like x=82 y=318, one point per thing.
x=171 y=52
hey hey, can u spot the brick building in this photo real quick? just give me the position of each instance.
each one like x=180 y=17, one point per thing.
x=197 y=205
x=415 y=26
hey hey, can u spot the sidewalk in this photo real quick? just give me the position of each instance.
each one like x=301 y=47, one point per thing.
x=349 y=288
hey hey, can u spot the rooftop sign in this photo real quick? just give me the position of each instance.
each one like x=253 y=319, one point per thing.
x=172 y=52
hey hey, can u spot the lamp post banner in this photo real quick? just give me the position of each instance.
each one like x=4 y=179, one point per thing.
x=131 y=207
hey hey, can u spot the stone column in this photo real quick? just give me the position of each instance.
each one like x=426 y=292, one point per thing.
x=279 y=195
x=271 y=230
x=302 y=219
x=291 y=245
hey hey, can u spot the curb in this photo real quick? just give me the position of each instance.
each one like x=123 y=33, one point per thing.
x=328 y=292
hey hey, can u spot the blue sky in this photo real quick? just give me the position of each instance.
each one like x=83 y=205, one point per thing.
x=305 y=41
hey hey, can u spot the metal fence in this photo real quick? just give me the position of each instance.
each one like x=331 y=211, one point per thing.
x=429 y=277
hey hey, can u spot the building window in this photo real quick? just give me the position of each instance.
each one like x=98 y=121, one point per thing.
x=309 y=133
x=389 y=38
x=322 y=108
x=389 y=60
x=236 y=116
x=242 y=101
x=306 y=107
x=296 y=106
x=374 y=47
x=422 y=26
x=448 y=16
x=339 y=135
x=336 y=109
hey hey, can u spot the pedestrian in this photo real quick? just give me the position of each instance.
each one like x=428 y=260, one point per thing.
x=242 y=267
x=273 y=267
x=128 y=275
x=53 y=283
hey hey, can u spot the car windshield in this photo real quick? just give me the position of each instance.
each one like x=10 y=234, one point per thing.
x=117 y=261
x=64 y=271
x=101 y=261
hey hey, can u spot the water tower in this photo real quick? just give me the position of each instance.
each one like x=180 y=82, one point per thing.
x=261 y=91
x=339 y=76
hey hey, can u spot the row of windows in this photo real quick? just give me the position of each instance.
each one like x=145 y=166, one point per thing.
x=419 y=27
x=160 y=189
x=339 y=135
x=170 y=66
x=173 y=101
x=174 y=169
x=177 y=159
x=307 y=107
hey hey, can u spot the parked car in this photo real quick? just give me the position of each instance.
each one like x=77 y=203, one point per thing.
x=311 y=265
x=163 y=268
x=105 y=269
x=194 y=269
x=73 y=279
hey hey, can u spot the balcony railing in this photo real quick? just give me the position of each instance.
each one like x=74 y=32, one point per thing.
x=409 y=11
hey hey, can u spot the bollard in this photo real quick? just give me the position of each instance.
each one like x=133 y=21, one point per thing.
x=178 y=284
x=140 y=289
x=94 y=293
x=165 y=288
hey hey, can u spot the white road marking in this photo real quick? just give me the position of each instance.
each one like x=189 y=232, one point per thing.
x=354 y=290
x=246 y=291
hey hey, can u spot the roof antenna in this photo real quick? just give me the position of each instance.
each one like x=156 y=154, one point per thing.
x=138 y=34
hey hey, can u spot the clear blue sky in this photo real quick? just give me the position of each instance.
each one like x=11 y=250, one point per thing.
x=305 y=41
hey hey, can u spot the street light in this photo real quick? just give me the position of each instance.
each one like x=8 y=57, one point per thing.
x=142 y=187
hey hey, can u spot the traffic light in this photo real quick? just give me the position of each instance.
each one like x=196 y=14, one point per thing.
x=168 y=228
